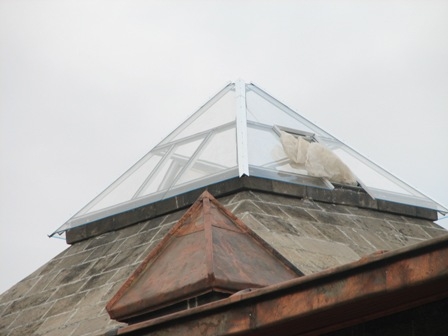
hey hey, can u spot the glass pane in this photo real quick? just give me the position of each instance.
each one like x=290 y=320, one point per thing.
x=219 y=113
x=218 y=154
x=264 y=147
x=366 y=174
x=262 y=111
x=125 y=188
x=171 y=167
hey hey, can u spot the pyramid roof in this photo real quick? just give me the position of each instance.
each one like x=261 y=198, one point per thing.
x=208 y=253
x=240 y=132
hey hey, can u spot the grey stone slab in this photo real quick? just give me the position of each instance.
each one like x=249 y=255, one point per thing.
x=68 y=275
x=289 y=189
x=122 y=274
x=98 y=280
x=96 y=326
x=28 y=301
x=6 y=321
x=99 y=265
x=435 y=232
x=96 y=296
x=275 y=224
x=421 y=222
x=396 y=208
x=20 y=289
x=130 y=230
x=173 y=218
x=85 y=312
x=333 y=208
x=297 y=213
x=325 y=247
x=252 y=223
x=334 y=232
x=53 y=323
x=309 y=229
x=75 y=259
x=28 y=329
x=105 y=238
x=151 y=224
x=65 y=304
x=49 y=267
x=246 y=206
x=144 y=237
x=363 y=250
x=299 y=260
x=333 y=218
x=375 y=240
x=410 y=230
x=318 y=262
x=125 y=257
x=66 y=290
x=373 y=224
x=105 y=250
x=31 y=314
x=271 y=209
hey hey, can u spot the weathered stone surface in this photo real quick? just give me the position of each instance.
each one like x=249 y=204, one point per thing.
x=67 y=296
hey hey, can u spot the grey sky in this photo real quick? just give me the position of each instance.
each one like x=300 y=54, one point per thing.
x=88 y=87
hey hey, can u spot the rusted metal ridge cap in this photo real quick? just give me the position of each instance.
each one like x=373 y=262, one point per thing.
x=208 y=250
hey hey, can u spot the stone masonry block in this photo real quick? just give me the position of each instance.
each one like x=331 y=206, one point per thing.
x=92 y=326
x=410 y=230
x=69 y=275
x=251 y=222
x=65 y=304
x=325 y=247
x=98 y=280
x=333 y=218
x=28 y=329
x=66 y=290
x=334 y=232
x=298 y=213
x=31 y=314
x=6 y=321
x=28 y=301
x=53 y=323
x=307 y=229
x=435 y=232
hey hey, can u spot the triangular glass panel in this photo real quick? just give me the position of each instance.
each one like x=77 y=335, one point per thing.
x=239 y=132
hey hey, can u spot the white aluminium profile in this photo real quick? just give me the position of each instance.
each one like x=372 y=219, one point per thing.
x=241 y=128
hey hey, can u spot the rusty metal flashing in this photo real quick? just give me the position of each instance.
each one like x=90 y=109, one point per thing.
x=344 y=195
x=209 y=250
x=373 y=287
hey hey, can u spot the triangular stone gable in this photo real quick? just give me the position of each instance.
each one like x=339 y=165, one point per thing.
x=208 y=251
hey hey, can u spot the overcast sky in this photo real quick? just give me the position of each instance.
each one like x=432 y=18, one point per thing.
x=88 y=87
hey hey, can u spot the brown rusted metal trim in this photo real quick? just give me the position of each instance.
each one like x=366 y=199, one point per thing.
x=208 y=240
x=364 y=290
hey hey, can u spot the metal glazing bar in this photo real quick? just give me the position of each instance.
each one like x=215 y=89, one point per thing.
x=241 y=128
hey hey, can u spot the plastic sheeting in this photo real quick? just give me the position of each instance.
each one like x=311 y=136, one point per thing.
x=316 y=159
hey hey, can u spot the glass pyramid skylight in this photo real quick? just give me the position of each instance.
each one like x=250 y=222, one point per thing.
x=238 y=132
